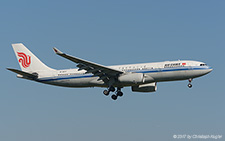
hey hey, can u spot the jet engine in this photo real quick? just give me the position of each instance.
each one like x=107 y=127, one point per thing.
x=150 y=87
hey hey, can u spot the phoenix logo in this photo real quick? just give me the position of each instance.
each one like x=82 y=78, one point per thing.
x=24 y=59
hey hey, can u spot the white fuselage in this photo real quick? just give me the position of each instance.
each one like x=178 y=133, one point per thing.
x=140 y=77
x=152 y=72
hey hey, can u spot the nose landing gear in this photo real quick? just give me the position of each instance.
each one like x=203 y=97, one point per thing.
x=189 y=84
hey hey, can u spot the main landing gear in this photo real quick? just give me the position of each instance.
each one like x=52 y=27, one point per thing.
x=112 y=89
x=189 y=84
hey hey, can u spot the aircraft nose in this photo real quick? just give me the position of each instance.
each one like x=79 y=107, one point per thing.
x=209 y=69
x=206 y=70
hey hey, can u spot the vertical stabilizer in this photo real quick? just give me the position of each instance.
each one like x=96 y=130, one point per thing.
x=27 y=60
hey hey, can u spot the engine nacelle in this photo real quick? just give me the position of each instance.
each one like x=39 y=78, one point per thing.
x=131 y=78
x=150 y=87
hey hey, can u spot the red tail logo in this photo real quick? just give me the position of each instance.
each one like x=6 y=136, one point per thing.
x=25 y=60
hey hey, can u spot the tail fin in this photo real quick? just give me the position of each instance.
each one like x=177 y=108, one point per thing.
x=27 y=60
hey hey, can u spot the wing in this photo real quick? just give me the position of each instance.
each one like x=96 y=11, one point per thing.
x=103 y=72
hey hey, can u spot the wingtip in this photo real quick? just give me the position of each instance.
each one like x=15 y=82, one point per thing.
x=9 y=69
x=57 y=51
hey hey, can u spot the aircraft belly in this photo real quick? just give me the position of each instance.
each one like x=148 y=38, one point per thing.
x=196 y=73
x=168 y=76
x=79 y=82
x=76 y=82
x=176 y=75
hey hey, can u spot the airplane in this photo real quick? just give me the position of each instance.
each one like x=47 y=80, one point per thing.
x=140 y=77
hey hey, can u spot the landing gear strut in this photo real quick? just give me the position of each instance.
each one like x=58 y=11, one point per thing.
x=189 y=84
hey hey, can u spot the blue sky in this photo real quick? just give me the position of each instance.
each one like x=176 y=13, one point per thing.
x=110 y=33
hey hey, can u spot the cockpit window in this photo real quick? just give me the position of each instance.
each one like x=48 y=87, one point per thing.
x=203 y=64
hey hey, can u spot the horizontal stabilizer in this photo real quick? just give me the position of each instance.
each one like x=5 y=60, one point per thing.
x=24 y=74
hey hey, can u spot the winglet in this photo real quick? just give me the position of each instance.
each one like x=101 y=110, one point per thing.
x=57 y=51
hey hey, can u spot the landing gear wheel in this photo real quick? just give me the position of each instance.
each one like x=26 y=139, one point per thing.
x=112 y=89
x=114 y=97
x=189 y=85
x=119 y=93
x=105 y=92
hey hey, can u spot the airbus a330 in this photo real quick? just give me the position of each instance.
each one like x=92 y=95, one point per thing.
x=140 y=77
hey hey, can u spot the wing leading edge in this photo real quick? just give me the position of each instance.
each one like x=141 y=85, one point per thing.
x=104 y=73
